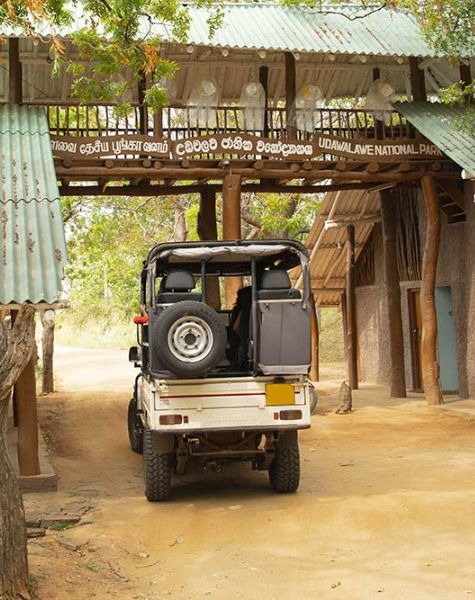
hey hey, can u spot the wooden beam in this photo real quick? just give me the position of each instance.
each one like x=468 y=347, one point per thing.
x=119 y=173
x=14 y=71
x=290 y=94
x=393 y=294
x=418 y=85
x=231 y=229
x=208 y=230
x=163 y=190
x=264 y=80
x=429 y=360
x=351 y=308
x=334 y=224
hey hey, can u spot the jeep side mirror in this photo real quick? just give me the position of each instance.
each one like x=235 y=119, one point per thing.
x=134 y=355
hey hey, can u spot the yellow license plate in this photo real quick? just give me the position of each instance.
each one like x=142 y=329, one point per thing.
x=278 y=394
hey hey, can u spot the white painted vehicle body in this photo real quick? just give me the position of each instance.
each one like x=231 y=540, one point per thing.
x=222 y=404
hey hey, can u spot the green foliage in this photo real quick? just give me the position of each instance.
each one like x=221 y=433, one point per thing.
x=118 y=35
x=108 y=239
x=280 y=215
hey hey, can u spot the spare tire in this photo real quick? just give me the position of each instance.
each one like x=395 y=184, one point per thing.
x=189 y=338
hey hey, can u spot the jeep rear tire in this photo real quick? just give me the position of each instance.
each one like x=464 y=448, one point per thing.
x=189 y=338
x=284 y=471
x=158 y=469
x=135 y=428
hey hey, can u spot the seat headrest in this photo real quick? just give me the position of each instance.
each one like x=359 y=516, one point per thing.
x=277 y=279
x=179 y=281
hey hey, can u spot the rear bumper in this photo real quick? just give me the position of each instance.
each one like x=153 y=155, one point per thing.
x=223 y=405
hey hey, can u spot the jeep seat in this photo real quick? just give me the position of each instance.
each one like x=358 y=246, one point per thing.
x=275 y=285
x=177 y=286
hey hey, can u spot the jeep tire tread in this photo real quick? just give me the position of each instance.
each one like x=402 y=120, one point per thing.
x=284 y=471
x=134 y=428
x=158 y=469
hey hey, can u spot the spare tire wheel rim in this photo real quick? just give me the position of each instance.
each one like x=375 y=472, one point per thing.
x=190 y=339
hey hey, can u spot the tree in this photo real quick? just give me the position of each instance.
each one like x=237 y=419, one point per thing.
x=16 y=348
x=110 y=35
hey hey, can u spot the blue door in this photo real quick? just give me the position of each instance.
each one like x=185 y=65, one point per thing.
x=446 y=340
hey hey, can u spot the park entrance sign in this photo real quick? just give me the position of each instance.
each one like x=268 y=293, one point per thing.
x=242 y=144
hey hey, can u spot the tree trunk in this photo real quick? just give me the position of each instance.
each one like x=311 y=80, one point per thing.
x=16 y=348
x=430 y=364
x=47 y=348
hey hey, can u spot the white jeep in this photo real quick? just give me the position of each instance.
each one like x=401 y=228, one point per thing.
x=221 y=385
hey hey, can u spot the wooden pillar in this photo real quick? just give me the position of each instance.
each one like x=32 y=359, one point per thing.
x=47 y=350
x=25 y=399
x=417 y=81
x=231 y=228
x=290 y=94
x=208 y=231
x=351 y=308
x=465 y=73
x=314 y=369
x=14 y=72
x=264 y=80
x=393 y=294
x=429 y=361
x=142 y=86
x=158 y=123
x=378 y=125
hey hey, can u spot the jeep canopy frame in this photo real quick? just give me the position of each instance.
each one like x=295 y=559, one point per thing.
x=243 y=258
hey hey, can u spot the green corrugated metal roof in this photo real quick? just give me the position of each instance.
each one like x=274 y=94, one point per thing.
x=441 y=125
x=332 y=29
x=33 y=246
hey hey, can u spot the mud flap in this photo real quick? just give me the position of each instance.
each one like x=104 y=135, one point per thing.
x=164 y=443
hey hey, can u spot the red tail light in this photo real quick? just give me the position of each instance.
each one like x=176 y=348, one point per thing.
x=170 y=419
x=290 y=415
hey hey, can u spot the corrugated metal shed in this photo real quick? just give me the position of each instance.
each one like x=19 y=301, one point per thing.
x=443 y=126
x=334 y=28
x=33 y=246
x=328 y=264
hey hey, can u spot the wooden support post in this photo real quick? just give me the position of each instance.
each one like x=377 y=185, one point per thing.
x=351 y=308
x=264 y=80
x=25 y=402
x=378 y=125
x=47 y=350
x=417 y=81
x=14 y=72
x=142 y=86
x=314 y=369
x=429 y=361
x=208 y=231
x=290 y=93
x=158 y=123
x=465 y=73
x=393 y=294
x=232 y=228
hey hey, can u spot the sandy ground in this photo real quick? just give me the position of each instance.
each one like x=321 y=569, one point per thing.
x=386 y=506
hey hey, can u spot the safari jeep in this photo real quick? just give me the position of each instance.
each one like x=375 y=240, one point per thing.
x=221 y=385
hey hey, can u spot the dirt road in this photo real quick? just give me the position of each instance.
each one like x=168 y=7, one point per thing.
x=386 y=507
